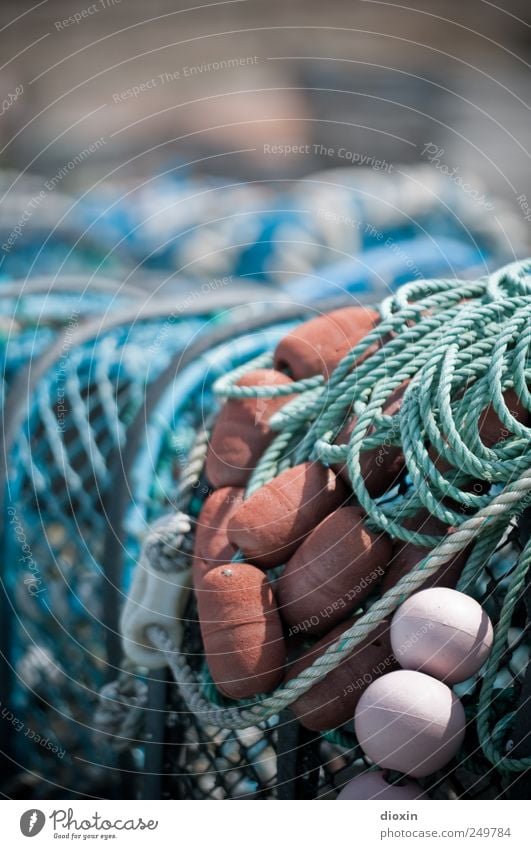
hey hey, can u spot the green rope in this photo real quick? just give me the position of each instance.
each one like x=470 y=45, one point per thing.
x=492 y=741
x=226 y=386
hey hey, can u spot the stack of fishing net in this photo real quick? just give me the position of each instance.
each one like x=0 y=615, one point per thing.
x=457 y=355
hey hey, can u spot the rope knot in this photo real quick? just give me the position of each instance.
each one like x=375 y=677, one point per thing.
x=166 y=547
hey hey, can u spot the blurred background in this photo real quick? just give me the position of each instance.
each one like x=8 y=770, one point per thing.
x=106 y=94
x=169 y=170
x=378 y=78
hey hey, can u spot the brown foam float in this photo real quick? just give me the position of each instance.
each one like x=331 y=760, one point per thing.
x=332 y=571
x=332 y=702
x=241 y=629
x=319 y=345
x=406 y=555
x=491 y=429
x=381 y=467
x=241 y=433
x=212 y=546
x=270 y=525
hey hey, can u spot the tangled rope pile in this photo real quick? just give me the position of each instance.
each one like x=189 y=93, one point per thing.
x=457 y=347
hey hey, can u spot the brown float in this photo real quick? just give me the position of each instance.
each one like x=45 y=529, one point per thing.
x=241 y=630
x=317 y=346
x=274 y=520
x=212 y=546
x=332 y=701
x=242 y=433
x=334 y=569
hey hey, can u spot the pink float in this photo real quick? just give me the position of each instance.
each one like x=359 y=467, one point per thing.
x=442 y=632
x=410 y=722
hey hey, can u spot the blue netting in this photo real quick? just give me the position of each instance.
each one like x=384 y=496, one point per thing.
x=78 y=380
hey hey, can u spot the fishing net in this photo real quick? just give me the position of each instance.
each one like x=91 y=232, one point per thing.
x=460 y=346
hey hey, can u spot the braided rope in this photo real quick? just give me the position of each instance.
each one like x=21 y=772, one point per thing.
x=120 y=709
x=194 y=466
x=491 y=741
x=227 y=386
x=167 y=546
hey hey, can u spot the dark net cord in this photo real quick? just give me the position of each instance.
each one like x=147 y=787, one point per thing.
x=521 y=741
